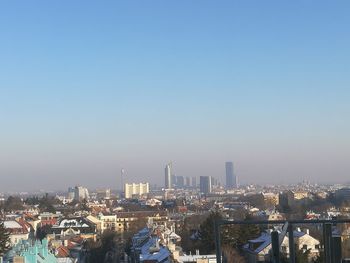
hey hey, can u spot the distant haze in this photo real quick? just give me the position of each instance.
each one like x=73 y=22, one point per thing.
x=88 y=88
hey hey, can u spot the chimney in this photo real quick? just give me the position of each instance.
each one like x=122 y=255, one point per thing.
x=298 y=229
x=197 y=252
x=307 y=231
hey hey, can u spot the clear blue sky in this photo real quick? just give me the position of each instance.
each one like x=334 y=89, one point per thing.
x=88 y=87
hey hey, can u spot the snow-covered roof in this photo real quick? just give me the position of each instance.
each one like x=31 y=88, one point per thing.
x=71 y=223
x=265 y=240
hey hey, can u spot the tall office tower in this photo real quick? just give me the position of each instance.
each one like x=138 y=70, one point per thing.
x=231 y=179
x=168 y=177
x=180 y=182
x=205 y=184
x=194 y=182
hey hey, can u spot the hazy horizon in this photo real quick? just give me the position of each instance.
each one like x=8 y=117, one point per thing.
x=88 y=88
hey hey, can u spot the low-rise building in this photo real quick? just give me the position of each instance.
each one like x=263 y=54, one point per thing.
x=108 y=221
x=124 y=219
x=47 y=218
x=18 y=231
x=67 y=228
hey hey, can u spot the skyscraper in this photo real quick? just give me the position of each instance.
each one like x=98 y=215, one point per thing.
x=168 y=177
x=205 y=184
x=231 y=179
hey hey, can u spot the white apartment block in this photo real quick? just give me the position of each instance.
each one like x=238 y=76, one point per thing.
x=136 y=189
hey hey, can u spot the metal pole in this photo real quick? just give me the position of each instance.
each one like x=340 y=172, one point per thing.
x=327 y=233
x=217 y=241
x=291 y=244
x=275 y=247
x=337 y=255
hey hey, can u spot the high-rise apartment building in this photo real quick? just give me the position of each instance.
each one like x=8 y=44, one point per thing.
x=136 y=189
x=205 y=184
x=231 y=179
x=168 y=177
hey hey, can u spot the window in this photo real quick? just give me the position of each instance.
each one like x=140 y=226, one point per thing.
x=304 y=246
x=317 y=246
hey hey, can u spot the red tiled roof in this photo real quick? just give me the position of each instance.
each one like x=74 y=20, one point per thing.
x=62 y=252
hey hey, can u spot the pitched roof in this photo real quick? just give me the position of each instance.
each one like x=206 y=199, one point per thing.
x=62 y=252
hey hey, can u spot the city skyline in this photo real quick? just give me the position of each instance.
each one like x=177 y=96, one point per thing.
x=87 y=89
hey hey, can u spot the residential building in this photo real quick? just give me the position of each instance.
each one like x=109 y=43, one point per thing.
x=70 y=227
x=47 y=218
x=108 y=221
x=156 y=244
x=136 y=189
x=124 y=219
x=17 y=230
